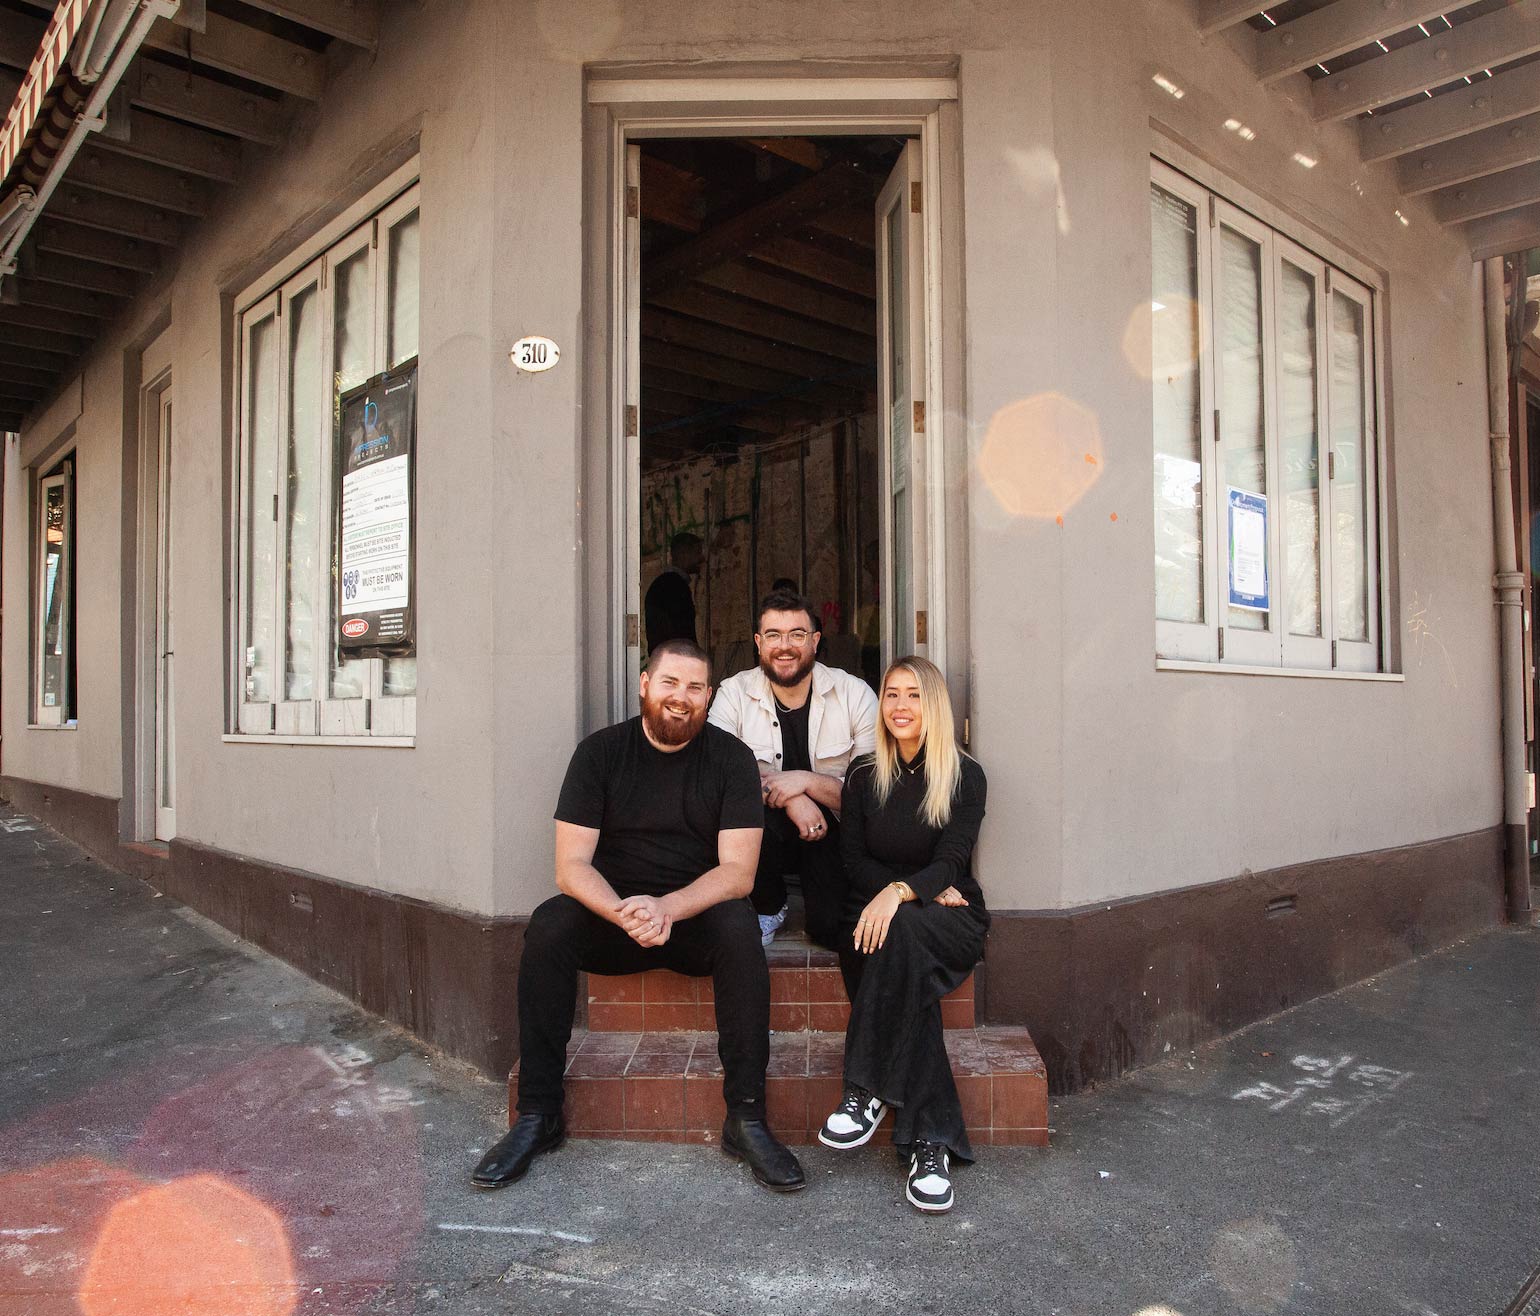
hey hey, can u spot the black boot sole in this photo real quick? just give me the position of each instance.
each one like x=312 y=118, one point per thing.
x=487 y=1186
x=738 y=1154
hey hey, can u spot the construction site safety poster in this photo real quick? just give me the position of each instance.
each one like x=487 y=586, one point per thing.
x=376 y=429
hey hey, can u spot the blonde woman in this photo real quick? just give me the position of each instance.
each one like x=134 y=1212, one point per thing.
x=910 y=818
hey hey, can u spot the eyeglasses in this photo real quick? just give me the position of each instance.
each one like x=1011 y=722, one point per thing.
x=798 y=637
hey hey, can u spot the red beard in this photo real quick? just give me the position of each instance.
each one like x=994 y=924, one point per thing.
x=665 y=728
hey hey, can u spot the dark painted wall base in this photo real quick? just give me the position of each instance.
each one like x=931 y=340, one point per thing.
x=1102 y=988
x=448 y=976
x=1105 y=987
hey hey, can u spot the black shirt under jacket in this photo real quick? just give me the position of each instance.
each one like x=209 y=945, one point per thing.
x=883 y=844
x=658 y=814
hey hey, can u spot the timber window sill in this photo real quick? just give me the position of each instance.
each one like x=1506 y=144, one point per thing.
x=1244 y=669
x=381 y=742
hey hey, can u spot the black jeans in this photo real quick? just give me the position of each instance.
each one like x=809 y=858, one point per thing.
x=782 y=850
x=894 y=1046
x=565 y=938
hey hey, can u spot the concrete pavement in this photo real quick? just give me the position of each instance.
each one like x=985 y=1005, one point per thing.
x=190 y=1125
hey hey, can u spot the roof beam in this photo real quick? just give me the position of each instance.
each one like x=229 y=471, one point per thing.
x=1510 y=190
x=1496 y=38
x=195 y=99
x=671 y=195
x=114 y=214
x=88 y=244
x=138 y=180
x=1216 y=15
x=68 y=346
x=81 y=301
x=666 y=327
x=765 y=322
x=1334 y=30
x=761 y=285
x=246 y=52
x=815 y=263
x=86 y=275
x=355 y=21
x=13 y=373
x=21 y=362
x=175 y=145
x=707 y=365
x=1507 y=96
x=857 y=227
x=1502 y=235
x=1473 y=156
x=46 y=317
x=739 y=235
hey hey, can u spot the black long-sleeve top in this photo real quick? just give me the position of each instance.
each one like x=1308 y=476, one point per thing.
x=892 y=842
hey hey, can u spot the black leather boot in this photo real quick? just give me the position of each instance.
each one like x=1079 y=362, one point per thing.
x=767 y=1156
x=512 y=1154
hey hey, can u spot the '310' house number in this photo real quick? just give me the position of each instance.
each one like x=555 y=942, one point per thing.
x=535 y=354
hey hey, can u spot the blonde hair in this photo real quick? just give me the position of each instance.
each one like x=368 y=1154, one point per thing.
x=938 y=738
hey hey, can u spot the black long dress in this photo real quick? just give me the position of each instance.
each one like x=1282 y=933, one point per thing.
x=894 y=1046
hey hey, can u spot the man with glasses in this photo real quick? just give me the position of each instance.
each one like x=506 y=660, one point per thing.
x=805 y=723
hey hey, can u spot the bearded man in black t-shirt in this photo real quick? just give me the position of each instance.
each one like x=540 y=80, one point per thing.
x=657 y=838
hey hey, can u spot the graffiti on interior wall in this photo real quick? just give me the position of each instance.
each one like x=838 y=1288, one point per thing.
x=670 y=507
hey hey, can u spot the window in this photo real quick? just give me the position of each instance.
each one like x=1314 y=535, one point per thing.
x=53 y=697
x=346 y=315
x=1266 y=442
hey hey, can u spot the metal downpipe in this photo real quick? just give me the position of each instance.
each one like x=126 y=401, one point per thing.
x=1508 y=583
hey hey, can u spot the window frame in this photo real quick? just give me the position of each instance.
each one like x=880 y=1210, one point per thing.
x=65 y=713
x=374 y=717
x=1213 y=641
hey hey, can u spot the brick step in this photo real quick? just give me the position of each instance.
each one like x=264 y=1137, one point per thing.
x=667 y=1086
x=805 y=993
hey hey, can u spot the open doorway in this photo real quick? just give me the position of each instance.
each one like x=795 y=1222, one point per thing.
x=777 y=375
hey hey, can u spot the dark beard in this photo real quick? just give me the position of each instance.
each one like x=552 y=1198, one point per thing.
x=664 y=729
x=797 y=677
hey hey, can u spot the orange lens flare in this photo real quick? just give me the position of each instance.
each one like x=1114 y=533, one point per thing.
x=1163 y=338
x=1041 y=455
x=187 y=1248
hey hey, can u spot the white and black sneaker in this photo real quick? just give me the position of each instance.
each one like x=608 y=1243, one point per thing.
x=930 y=1185
x=854 y=1120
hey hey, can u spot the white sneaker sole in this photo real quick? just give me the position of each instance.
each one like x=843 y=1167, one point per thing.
x=859 y=1142
x=930 y=1208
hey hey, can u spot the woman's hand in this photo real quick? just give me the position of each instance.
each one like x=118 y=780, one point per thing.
x=952 y=898
x=872 y=926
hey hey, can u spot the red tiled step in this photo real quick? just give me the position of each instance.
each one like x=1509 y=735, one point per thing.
x=805 y=992
x=667 y=1086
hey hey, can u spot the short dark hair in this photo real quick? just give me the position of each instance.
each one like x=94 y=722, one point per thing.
x=684 y=539
x=684 y=648
x=786 y=600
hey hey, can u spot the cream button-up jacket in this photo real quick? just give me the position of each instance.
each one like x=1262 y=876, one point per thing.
x=841 y=718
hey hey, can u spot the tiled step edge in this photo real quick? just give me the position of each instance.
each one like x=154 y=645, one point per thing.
x=667 y=1087
x=802 y=996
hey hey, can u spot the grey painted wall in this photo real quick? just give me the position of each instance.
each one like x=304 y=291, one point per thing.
x=1108 y=778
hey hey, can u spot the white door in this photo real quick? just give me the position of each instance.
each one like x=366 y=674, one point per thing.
x=902 y=370
x=165 y=740
x=630 y=515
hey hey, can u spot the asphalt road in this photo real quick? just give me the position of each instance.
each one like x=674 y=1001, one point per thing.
x=192 y=1126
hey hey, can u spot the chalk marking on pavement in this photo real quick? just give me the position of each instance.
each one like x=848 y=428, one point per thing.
x=33 y=1232
x=515 y=1229
x=520 y=1270
x=1361 y=1087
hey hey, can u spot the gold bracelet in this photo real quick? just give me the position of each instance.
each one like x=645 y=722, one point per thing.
x=905 y=891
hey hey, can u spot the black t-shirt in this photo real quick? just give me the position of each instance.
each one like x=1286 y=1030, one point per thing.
x=794 y=753
x=658 y=814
